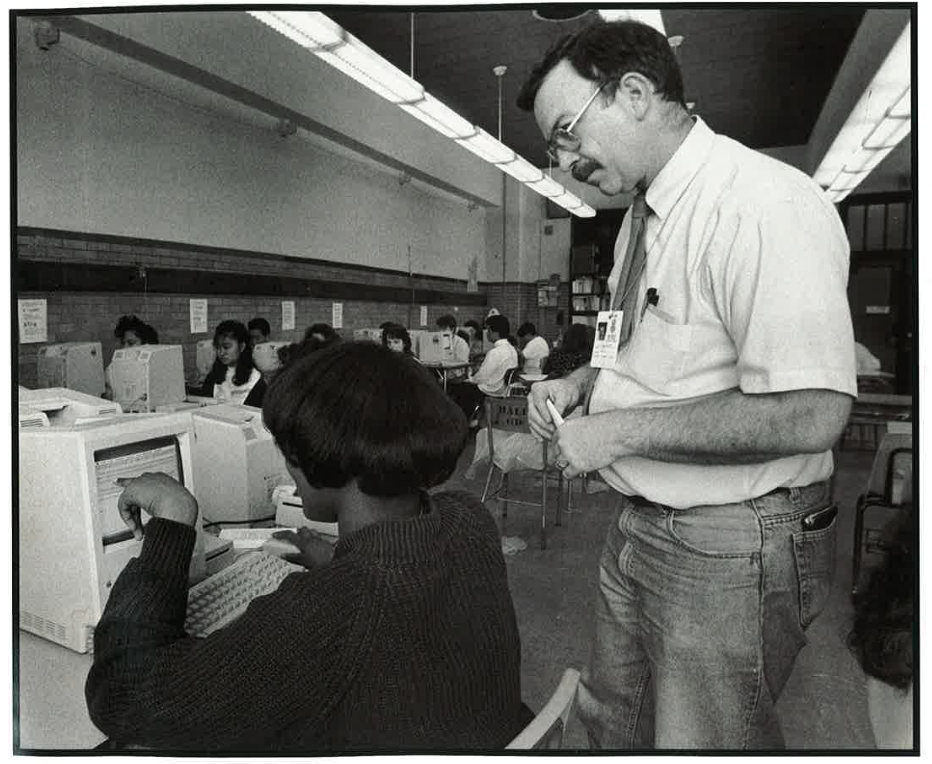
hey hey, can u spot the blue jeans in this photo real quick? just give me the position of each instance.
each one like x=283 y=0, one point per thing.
x=699 y=617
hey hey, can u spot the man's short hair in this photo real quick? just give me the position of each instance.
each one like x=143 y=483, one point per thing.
x=498 y=324
x=261 y=324
x=526 y=328
x=604 y=51
x=358 y=411
x=447 y=321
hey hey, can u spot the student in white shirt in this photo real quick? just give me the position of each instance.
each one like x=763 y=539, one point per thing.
x=534 y=348
x=490 y=378
x=233 y=378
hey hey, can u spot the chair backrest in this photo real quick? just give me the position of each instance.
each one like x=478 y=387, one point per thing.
x=546 y=730
x=509 y=414
x=893 y=445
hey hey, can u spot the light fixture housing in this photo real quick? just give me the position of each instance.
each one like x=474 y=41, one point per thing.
x=880 y=119
x=322 y=36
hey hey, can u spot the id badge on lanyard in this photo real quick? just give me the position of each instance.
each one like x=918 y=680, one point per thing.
x=607 y=339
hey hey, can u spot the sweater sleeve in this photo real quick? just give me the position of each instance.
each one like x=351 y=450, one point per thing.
x=282 y=665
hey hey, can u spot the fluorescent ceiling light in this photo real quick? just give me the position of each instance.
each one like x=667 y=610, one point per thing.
x=326 y=39
x=880 y=119
x=650 y=17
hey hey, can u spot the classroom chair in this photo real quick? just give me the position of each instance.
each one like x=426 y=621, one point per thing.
x=510 y=415
x=545 y=732
x=889 y=492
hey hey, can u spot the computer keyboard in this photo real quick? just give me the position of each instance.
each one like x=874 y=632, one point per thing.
x=221 y=599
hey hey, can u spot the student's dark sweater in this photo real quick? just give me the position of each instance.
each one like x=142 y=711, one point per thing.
x=406 y=639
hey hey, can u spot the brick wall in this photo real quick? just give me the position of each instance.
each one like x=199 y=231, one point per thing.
x=91 y=315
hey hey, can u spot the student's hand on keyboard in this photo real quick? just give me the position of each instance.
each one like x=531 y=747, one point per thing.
x=314 y=549
x=159 y=495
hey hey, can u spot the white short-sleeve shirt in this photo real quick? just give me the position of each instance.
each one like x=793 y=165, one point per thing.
x=750 y=263
x=534 y=353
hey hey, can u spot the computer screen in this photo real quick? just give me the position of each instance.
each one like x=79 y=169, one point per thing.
x=63 y=406
x=147 y=376
x=204 y=358
x=75 y=365
x=72 y=541
x=237 y=464
x=436 y=347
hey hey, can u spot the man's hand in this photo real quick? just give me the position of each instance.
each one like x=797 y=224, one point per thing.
x=159 y=495
x=580 y=445
x=565 y=394
x=315 y=549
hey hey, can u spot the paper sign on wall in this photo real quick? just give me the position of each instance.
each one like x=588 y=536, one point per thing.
x=198 y=312
x=423 y=315
x=287 y=315
x=337 y=319
x=33 y=320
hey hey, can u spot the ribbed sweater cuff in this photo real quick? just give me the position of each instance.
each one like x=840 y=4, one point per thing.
x=167 y=546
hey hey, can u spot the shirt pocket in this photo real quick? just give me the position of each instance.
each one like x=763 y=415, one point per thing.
x=657 y=352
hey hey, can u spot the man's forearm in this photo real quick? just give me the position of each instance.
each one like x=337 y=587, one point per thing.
x=728 y=428
x=583 y=378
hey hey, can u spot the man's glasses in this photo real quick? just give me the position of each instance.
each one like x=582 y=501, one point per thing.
x=563 y=138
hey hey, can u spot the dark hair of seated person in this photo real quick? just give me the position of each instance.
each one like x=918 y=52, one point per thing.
x=358 y=411
x=289 y=353
x=140 y=328
x=236 y=331
x=325 y=332
x=397 y=332
x=882 y=635
x=574 y=351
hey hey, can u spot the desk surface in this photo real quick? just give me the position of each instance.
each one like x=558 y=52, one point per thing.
x=52 y=709
x=447 y=365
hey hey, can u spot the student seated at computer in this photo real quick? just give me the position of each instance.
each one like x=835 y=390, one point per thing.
x=233 y=378
x=259 y=331
x=490 y=377
x=476 y=347
x=401 y=637
x=323 y=332
x=533 y=348
x=395 y=337
x=574 y=350
x=130 y=331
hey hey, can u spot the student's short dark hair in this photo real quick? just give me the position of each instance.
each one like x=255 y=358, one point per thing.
x=526 y=328
x=474 y=324
x=604 y=51
x=261 y=324
x=327 y=332
x=140 y=328
x=447 y=321
x=499 y=324
x=358 y=411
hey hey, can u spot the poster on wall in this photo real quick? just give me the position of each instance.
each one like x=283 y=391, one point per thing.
x=287 y=315
x=423 y=315
x=33 y=320
x=337 y=317
x=198 y=312
x=472 y=277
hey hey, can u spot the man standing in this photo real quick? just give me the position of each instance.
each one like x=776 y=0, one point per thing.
x=713 y=417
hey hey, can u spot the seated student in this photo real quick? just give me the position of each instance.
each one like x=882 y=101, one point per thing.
x=233 y=378
x=130 y=332
x=490 y=377
x=395 y=337
x=259 y=331
x=447 y=323
x=882 y=637
x=534 y=348
x=401 y=637
x=323 y=332
x=573 y=351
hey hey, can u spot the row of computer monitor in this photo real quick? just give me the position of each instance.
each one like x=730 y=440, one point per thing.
x=72 y=540
x=146 y=377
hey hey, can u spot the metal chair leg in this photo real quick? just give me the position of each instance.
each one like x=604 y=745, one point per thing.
x=560 y=497
x=488 y=480
x=503 y=494
x=858 y=542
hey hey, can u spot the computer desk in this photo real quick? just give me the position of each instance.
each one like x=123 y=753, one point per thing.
x=52 y=710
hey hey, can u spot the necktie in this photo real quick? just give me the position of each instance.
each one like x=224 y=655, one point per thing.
x=626 y=293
